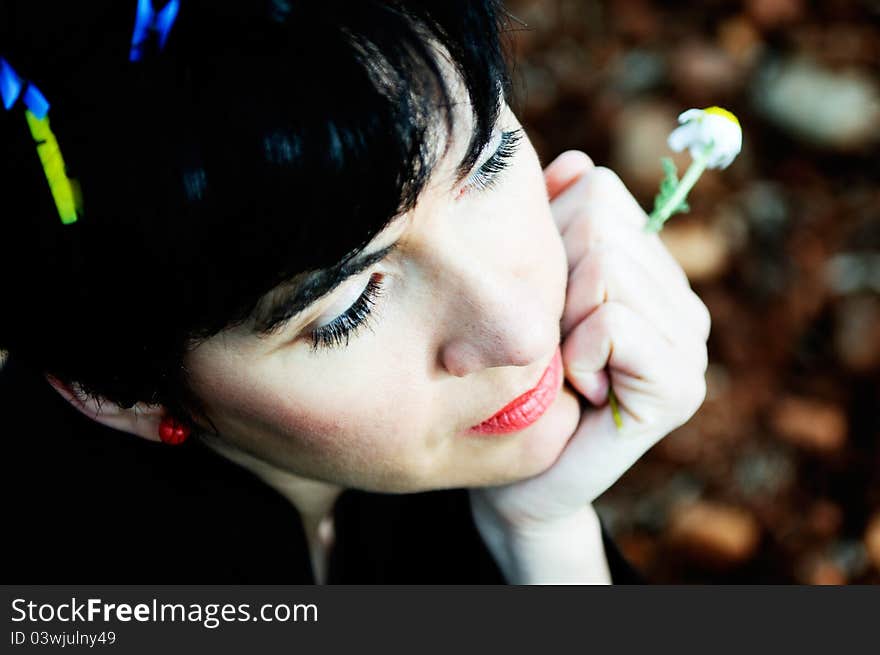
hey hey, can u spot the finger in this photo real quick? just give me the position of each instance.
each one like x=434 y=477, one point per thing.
x=652 y=382
x=598 y=207
x=593 y=386
x=608 y=272
x=565 y=170
x=655 y=395
x=603 y=183
x=698 y=315
x=600 y=224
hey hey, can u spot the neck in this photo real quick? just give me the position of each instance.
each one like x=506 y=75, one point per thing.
x=313 y=499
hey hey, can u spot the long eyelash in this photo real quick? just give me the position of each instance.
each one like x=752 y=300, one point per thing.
x=344 y=326
x=486 y=175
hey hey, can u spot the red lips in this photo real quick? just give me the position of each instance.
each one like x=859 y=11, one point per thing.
x=527 y=408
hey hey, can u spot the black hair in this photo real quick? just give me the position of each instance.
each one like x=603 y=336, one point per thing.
x=268 y=138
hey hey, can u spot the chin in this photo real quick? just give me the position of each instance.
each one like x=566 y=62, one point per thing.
x=543 y=443
x=533 y=451
x=550 y=435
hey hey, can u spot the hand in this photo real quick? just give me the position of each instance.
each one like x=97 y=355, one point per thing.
x=630 y=319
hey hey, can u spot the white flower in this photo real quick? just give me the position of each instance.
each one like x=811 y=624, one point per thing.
x=714 y=128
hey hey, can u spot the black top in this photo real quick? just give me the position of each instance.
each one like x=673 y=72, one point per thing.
x=87 y=504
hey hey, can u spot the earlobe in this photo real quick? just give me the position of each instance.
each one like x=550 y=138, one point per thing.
x=140 y=420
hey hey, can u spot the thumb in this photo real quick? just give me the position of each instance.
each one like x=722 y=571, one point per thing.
x=564 y=170
x=585 y=357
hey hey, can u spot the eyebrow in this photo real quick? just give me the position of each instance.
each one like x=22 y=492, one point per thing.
x=290 y=299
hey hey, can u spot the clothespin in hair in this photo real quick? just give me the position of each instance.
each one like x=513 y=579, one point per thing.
x=11 y=86
x=149 y=21
x=65 y=192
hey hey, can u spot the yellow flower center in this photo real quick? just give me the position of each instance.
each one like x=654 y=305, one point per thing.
x=718 y=111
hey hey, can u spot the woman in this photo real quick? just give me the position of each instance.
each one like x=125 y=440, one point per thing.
x=251 y=185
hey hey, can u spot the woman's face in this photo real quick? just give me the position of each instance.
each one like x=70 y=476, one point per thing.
x=466 y=319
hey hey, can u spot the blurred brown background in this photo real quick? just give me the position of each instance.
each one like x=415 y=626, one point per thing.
x=777 y=477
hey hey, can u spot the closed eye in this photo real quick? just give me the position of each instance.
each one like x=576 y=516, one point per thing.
x=487 y=174
x=338 y=332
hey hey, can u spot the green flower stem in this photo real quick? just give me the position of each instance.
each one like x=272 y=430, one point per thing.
x=615 y=409
x=655 y=222
x=659 y=216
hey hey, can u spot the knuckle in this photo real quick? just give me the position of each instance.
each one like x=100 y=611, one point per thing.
x=703 y=358
x=705 y=317
x=690 y=396
x=696 y=395
x=701 y=319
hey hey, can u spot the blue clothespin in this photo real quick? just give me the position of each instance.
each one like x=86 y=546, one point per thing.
x=11 y=85
x=148 y=19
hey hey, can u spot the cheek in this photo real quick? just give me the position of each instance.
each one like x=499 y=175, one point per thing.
x=366 y=415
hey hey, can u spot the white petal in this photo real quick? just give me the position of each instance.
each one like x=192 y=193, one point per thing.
x=683 y=137
x=727 y=137
x=690 y=115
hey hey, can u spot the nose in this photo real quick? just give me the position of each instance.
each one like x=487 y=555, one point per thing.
x=503 y=319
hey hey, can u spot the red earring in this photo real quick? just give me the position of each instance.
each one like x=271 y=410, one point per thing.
x=173 y=432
